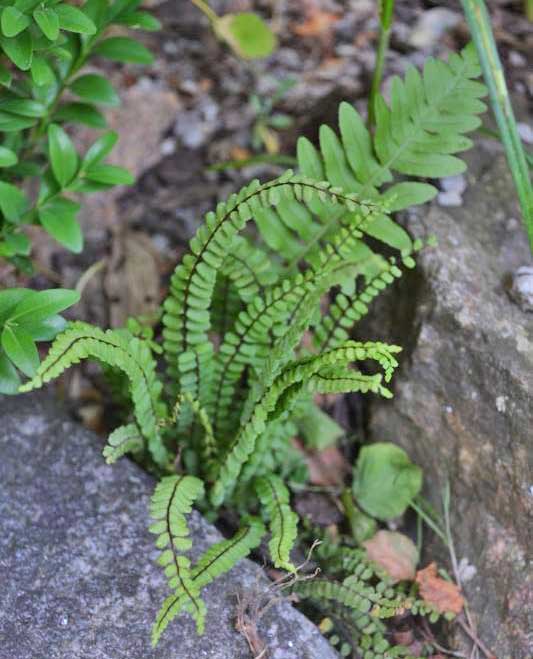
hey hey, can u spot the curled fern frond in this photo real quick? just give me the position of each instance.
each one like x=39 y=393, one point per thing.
x=171 y=501
x=125 y=439
x=119 y=350
x=216 y=560
x=293 y=379
x=274 y=496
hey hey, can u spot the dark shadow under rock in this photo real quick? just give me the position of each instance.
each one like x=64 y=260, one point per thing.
x=77 y=562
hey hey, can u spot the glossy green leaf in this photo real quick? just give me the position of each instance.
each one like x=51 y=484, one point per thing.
x=46 y=330
x=13 y=202
x=124 y=49
x=24 y=106
x=13 y=22
x=21 y=349
x=41 y=72
x=73 y=19
x=19 y=49
x=19 y=243
x=58 y=217
x=8 y=158
x=81 y=113
x=43 y=304
x=247 y=33
x=9 y=298
x=385 y=481
x=11 y=123
x=110 y=174
x=48 y=21
x=9 y=378
x=95 y=89
x=99 y=149
x=141 y=20
x=63 y=155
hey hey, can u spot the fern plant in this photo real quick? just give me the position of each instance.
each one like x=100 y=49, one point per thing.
x=250 y=334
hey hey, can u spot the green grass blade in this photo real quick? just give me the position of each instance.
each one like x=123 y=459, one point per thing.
x=479 y=22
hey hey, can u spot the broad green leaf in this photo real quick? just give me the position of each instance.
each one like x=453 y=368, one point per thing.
x=403 y=195
x=13 y=202
x=110 y=174
x=81 y=113
x=13 y=21
x=99 y=149
x=46 y=330
x=19 y=243
x=8 y=158
x=9 y=378
x=385 y=481
x=63 y=155
x=41 y=72
x=247 y=33
x=10 y=123
x=9 y=298
x=21 y=349
x=26 y=5
x=58 y=217
x=124 y=49
x=24 y=106
x=141 y=20
x=95 y=89
x=48 y=20
x=73 y=19
x=19 y=49
x=43 y=304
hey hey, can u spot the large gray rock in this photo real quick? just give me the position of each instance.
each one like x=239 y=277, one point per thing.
x=77 y=563
x=463 y=405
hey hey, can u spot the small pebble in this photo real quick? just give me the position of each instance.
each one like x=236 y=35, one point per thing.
x=522 y=288
x=526 y=132
x=455 y=183
x=516 y=59
x=451 y=198
x=431 y=25
x=168 y=147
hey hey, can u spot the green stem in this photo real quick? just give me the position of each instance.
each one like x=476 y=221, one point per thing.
x=206 y=9
x=528 y=8
x=479 y=22
x=386 y=10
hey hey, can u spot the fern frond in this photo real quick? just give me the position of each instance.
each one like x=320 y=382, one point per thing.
x=119 y=350
x=355 y=594
x=216 y=560
x=291 y=380
x=187 y=317
x=171 y=501
x=125 y=439
x=274 y=496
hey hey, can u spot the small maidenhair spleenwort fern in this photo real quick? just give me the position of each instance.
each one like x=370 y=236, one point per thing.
x=250 y=335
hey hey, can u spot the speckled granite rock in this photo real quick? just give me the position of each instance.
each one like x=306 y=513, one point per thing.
x=77 y=575
x=463 y=405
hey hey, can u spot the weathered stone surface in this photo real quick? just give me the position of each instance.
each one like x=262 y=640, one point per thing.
x=77 y=563
x=463 y=406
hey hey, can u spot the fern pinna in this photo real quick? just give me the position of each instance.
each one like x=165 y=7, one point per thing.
x=238 y=377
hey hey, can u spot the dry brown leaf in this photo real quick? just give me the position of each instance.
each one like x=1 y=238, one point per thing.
x=395 y=553
x=444 y=595
x=328 y=467
x=317 y=23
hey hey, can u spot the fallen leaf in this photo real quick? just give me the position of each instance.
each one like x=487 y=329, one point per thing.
x=328 y=467
x=444 y=595
x=395 y=553
x=316 y=23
